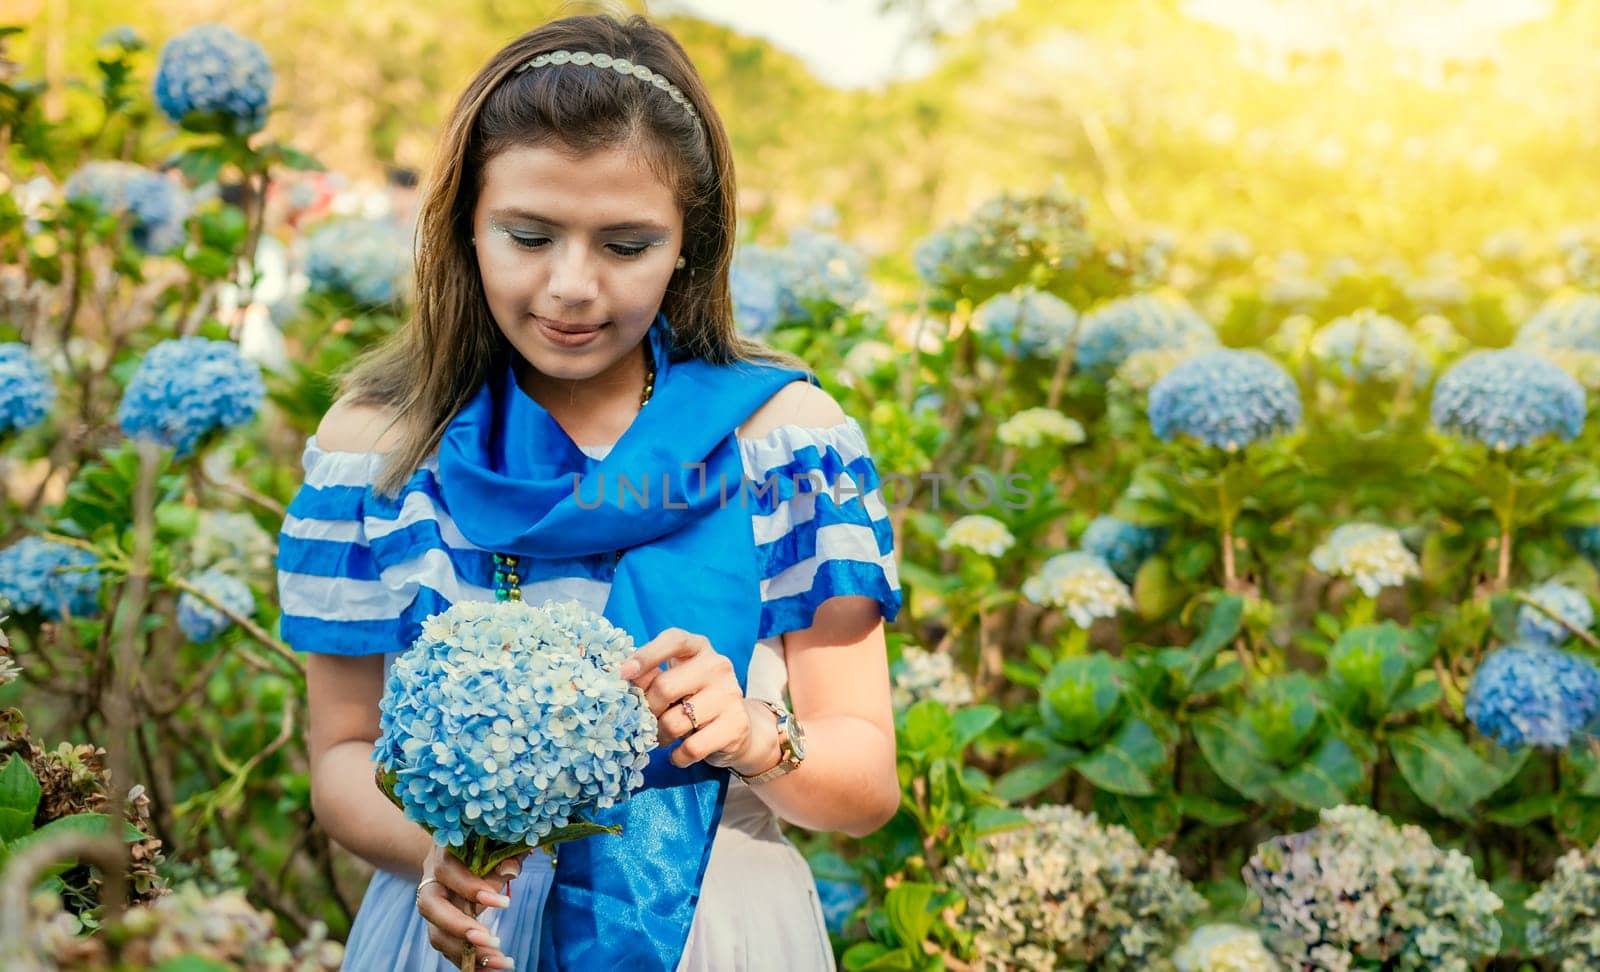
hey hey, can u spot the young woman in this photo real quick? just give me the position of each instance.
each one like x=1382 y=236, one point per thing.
x=572 y=329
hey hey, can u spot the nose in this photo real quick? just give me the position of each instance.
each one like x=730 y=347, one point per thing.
x=574 y=276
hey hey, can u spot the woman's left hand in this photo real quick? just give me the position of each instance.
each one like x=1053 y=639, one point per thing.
x=698 y=677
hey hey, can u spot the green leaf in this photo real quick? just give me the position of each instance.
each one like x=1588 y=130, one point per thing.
x=1326 y=779
x=1021 y=674
x=1234 y=753
x=1079 y=696
x=192 y=963
x=82 y=824
x=19 y=798
x=1208 y=811
x=989 y=820
x=910 y=913
x=1444 y=772
x=971 y=722
x=1126 y=762
x=928 y=727
x=1221 y=678
x=1419 y=696
x=1029 y=778
x=1221 y=628
x=1525 y=811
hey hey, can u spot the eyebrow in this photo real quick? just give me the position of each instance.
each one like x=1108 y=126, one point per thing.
x=514 y=213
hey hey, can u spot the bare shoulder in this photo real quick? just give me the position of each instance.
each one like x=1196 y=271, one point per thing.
x=797 y=403
x=352 y=427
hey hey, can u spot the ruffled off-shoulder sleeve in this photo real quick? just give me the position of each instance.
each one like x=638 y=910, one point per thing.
x=820 y=521
x=358 y=573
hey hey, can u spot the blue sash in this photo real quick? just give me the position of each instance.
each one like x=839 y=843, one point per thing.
x=514 y=482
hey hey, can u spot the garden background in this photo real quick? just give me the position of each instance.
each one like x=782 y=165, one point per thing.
x=1281 y=316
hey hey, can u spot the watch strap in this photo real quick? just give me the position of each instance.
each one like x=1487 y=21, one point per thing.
x=788 y=762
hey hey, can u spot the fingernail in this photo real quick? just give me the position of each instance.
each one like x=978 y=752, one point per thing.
x=629 y=669
x=492 y=900
x=483 y=939
x=504 y=962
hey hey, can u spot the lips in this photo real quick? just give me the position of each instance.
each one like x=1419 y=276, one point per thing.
x=566 y=327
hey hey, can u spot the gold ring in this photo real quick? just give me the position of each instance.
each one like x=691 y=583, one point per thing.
x=688 y=710
x=422 y=884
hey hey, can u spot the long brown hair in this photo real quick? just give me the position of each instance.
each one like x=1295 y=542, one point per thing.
x=438 y=359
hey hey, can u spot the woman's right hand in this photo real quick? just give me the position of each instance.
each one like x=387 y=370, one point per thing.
x=442 y=900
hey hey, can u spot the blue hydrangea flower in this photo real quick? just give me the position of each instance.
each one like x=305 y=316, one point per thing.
x=47 y=577
x=1027 y=322
x=839 y=899
x=1225 y=398
x=365 y=259
x=213 y=72
x=1534 y=695
x=1508 y=398
x=1008 y=238
x=1369 y=346
x=509 y=721
x=155 y=206
x=199 y=621
x=1533 y=625
x=187 y=387
x=1122 y=545
x=776 y=285
x=1570 y=322
x=26 y=389
x=1108 y=334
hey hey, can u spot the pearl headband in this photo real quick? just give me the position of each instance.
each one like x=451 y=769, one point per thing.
x=621 y=65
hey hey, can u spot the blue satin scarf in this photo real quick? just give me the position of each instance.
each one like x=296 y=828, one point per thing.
x=514 y=482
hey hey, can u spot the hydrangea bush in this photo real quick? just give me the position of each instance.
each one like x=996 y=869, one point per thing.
x=1065 y=891
x=156 y=207
x=1027 y=322
x=933 y=675
x=187 y=387
x=1369 y=346
x=1123 y=546
x=1563 y=604
x=1370 y=554
x=1225 y=398
x=50 y=578
x=1566 y=921
x=777 y=285
x=983 y=535
x=26 y=389
x=1507 y=399
x=1357 y=888
x=1534 y=695
x=1108 y=334
x=1081 y=585
x=212 y=77
x=199 y=621
x=365 y=260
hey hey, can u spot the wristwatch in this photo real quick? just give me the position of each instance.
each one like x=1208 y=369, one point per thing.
x=791 y=745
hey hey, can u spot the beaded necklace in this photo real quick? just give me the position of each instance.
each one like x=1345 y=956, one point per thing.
x=507 y=583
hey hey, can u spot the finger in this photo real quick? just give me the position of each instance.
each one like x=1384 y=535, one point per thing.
x=713 y=737
x=459 y=879
x=669 y=644
x=445 y=912
x=705 y=674
x=673 y=724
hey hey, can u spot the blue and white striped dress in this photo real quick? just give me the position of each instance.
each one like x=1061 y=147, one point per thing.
x=358 y=573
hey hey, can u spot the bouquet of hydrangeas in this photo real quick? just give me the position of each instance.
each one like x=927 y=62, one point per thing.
x=504 y=723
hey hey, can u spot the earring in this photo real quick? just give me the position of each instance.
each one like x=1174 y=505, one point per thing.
x=682 y=263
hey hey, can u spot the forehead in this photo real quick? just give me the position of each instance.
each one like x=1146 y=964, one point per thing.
x=609 y=185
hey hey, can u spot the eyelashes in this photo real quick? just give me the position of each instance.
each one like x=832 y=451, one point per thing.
x=626 y=251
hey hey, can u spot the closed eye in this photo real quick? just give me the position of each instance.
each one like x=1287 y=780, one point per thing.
x=624 y=250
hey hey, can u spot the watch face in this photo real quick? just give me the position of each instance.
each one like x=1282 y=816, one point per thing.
x=797 y=738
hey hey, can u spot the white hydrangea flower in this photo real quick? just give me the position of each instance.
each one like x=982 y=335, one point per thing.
x=1080 y=584
x=980 y=534
x=1370 y=554
x=1225 y=948
x=929 y=675
x=864 y=359
x=1033 y=427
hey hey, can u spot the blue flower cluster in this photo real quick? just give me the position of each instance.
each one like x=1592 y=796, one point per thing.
x=155 y=206
x=364 y=259
x=26 y=389
x=1508 y=398
x=508 y=721
x=839 y=899
x=187 y=387
x=1568 y=603
x=1225 y=398
x=1564 y=323
x=1027 y=322
x=1109 y=334
x=199 y=621
x=1534 y=695
x=1007 y=238
x=1123 y=545
x=1369 y=346
x=212 y=72
x=48 y=577
x=778 y=285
